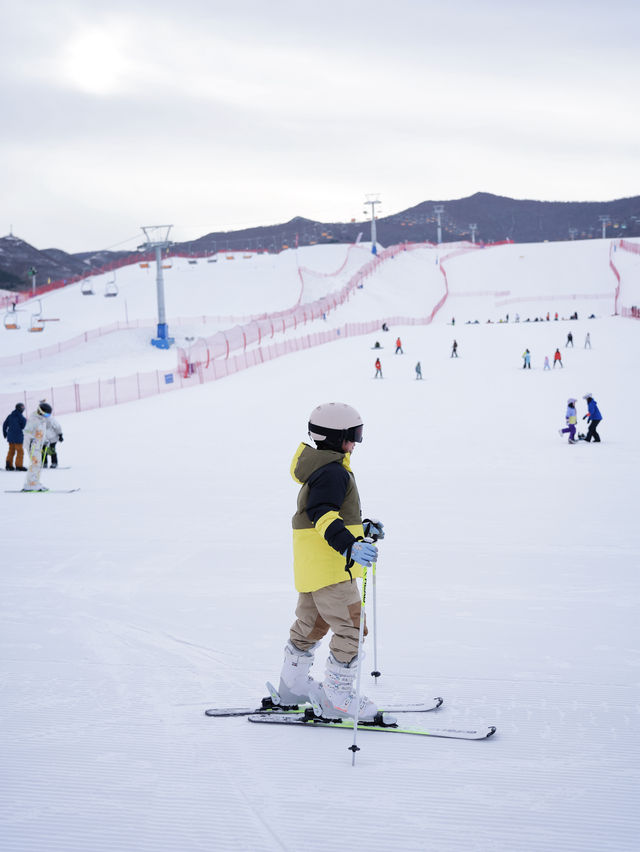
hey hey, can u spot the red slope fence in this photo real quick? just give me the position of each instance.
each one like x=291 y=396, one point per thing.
x=624 y=284
x=217 y=360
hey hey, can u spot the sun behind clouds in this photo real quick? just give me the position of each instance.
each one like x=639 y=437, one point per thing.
x=95 y=60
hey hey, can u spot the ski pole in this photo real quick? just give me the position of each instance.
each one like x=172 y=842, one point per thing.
x=375 y=673
x=353 y=748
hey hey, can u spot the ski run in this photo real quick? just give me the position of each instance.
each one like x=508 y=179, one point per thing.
x=507 y=582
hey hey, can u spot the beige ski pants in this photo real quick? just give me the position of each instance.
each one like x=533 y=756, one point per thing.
x=335 y=608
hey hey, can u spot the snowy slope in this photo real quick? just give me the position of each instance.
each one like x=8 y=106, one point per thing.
x=507 y=583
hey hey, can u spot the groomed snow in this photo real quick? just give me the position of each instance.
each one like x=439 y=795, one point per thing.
x=507 y=583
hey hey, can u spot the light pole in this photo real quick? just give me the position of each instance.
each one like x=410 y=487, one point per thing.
x=157 y=237
x=372 y=200
x=606 y=220
x=473 y=228
x=439 y=210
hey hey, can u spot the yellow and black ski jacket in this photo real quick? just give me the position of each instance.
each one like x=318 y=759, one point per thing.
x=328 y=519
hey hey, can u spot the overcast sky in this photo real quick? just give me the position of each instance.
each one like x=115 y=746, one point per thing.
x=219 y=115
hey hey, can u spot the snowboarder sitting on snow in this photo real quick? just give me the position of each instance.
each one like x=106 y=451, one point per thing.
x=12 y=430
x=593 y=418
x=53 y=434
x=572 y=418
x=327 y=533
x=34 y=433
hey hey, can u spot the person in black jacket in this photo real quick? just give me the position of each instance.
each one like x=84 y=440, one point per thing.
x=12 y=430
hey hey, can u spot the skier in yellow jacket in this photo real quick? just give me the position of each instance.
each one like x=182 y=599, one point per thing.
x=328 y=552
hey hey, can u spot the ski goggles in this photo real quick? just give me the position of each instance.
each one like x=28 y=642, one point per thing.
x=354 y=433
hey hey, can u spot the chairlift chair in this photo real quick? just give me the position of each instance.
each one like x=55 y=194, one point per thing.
x=11 y=321
x=36 y=323
x=111 y=288
x=86 y=288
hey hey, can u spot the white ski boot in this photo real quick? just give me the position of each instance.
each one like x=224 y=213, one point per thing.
x=296 y=684
x=338 y=698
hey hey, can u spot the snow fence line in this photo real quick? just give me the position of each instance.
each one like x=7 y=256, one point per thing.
x=114 y=391
x=220 y=345
x=632 y=312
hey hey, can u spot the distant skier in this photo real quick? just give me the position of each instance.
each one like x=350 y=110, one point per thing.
x=378 y=369
x=571 y=418
x=587 y=341
x=526 y=360
x=399 y=347
x=53 y=434
x=454 y=349
x=557 y=359
x=12 y=430
x=418 y=371
x=569 y=341
x=376 y=345
x=593 y=418
x=547 y=365
x=34 y=433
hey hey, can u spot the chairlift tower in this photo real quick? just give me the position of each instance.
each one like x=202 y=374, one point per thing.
x=157 y=238
x=439 y=210
x=32 y=274
x=372 y=200
x=473 y=228
x=606 y=220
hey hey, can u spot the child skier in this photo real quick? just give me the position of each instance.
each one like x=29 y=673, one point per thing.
x=399 y=348
x=547 y=365
x=34 y=433
x=572 y=418
x=378 y=369
x=327 y=542
x=557 y=359
x=418 y=370
x=526 y=362
x=53 y=434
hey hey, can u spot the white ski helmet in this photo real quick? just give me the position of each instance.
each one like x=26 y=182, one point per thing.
x=334 y=422
x=571 y=400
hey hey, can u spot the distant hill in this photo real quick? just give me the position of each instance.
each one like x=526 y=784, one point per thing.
x=496 y=218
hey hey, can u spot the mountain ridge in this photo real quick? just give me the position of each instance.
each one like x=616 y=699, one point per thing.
x=496 y=218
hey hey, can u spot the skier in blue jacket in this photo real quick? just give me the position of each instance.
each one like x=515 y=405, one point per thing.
x=593 y=418
x=12 y=430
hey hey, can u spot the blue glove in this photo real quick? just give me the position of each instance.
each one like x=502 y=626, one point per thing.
x=373 y=528
x=363 y=553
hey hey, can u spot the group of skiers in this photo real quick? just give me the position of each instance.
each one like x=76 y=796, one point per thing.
x=557 y=356
x=593 y=418
x=400 y=351
x=41 y=432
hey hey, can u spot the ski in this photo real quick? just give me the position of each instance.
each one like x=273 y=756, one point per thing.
x=307 y=719
x=47 y=469
x=268 y=707
x=48 y=491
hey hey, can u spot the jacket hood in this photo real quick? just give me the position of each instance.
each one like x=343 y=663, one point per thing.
x=308 y=459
